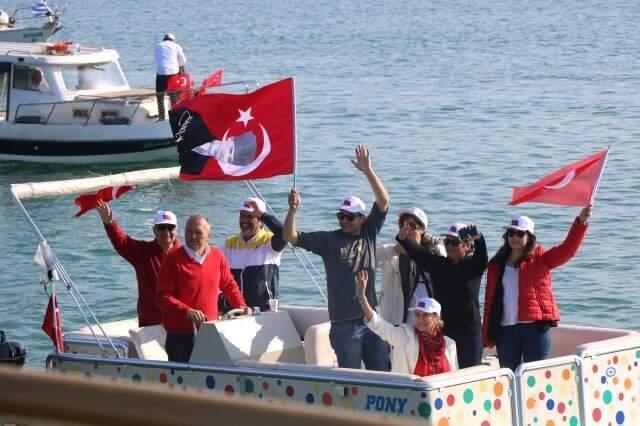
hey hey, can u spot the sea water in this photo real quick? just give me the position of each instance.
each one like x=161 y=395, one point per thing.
x=458 y=101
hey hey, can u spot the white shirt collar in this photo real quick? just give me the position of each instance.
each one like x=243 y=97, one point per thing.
x=195 y=256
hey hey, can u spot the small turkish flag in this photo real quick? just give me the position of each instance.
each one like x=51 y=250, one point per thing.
x=52 y=328
x=214 y=79
x=223 y=136
x=90 y=201
x=182 y=84
x=573 y=185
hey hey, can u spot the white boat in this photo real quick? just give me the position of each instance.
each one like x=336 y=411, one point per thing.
x=591 y=378
x=20 y=26
x=69 y=103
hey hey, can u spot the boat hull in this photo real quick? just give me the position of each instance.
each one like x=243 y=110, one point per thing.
x=86 y=152
x=28 y=35
x=76 y=144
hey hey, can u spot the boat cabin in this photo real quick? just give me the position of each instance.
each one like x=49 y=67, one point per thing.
x=67 y=83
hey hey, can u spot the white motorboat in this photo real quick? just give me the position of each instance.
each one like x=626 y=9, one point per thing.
x=69 y=103
x=285 y=357
x=21 y=26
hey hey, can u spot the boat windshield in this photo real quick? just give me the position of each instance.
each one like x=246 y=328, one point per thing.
x=93 y=76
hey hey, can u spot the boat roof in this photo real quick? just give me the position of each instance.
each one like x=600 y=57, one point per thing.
x=36 y=53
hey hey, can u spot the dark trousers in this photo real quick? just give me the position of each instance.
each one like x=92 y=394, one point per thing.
x=523 y=343
x=179 y=346
x=468 y=347
x=161 y=88
x=353 y=343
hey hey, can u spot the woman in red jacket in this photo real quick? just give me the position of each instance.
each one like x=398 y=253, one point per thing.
x=519 y=306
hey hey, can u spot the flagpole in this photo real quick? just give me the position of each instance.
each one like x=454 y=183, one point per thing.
x=54 y=303
x=295 y=132
x=595 y=188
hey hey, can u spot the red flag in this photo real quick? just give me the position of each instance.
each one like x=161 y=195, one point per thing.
x=90 y=201
x=214 y=79
x=236 y=137
x=573 y=185
x=53 y=330
x=181 y=83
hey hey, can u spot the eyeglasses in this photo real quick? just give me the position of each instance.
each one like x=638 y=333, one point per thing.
x=512 y=232
x=412 y=225
x=165 y=227
x=451 y=242
x=349 y=217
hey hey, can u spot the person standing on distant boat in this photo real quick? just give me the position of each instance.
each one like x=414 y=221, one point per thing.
x=519 y=305
x=170 y=61
x=346 y=251
x=146 y=257
x=188 y=285
x=254 y=254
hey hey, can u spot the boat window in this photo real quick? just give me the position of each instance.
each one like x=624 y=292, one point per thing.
x=92 y=76
x=5 y=70
x=30 y=78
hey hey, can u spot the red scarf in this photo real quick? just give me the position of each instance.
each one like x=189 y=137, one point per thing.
x=431 y=356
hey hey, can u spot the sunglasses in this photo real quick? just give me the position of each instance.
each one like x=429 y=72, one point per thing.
x=348 y=217
x=165 y=227
x=451 y=242
x=412 y=225
x=512 y=232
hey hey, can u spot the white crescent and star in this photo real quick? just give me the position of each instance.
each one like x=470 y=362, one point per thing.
x=564 y=182
x=245 y=117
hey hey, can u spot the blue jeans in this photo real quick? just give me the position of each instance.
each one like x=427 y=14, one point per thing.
x=179 y=347
x=353 y=342
x=522 y=343
x=469 y=348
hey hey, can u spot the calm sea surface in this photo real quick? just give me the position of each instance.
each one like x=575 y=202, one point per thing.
x=459 y=101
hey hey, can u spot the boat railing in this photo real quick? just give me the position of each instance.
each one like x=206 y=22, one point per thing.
x=94 y=109
x=25 y=14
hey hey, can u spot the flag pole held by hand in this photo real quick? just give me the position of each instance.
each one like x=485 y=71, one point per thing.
x=595 y=187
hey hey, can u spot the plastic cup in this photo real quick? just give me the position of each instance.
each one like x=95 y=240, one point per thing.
x=273 y=305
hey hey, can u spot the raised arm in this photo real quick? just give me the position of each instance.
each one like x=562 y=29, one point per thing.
x=290 y=230
x=377 y=324
x=418 y=253
x=363 y=163
x=126 y=246
x=273 y=223
x=564 y=251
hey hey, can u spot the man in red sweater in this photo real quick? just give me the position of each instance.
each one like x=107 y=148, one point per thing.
x=145 y=257
x=188 y=286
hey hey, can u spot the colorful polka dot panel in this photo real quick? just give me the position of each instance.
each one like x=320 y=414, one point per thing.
x=485 y=402
x=611 y=384
x=551 y=395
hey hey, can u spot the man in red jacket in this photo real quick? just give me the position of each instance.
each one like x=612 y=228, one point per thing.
x=188 y=286
x=145 y=257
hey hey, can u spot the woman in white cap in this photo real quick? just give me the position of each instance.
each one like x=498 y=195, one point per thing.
x=456 y=284
x=519 y=306
x=421 y=349
x=403 y=281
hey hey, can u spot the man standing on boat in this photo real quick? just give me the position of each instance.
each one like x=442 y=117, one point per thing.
x=170 y=60
x=345 y=252
x=254 y=254
x=146 y=257
x=188 y=286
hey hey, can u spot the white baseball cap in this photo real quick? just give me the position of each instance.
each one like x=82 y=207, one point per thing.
x=165 y=217
x=246 y=207
x=521 y=223
x=417 y=213
x=169 y=36
x=454 y=230
x=353 y=204
x=427 y=305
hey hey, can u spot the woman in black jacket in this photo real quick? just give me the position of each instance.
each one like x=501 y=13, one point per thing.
x=456 y=281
